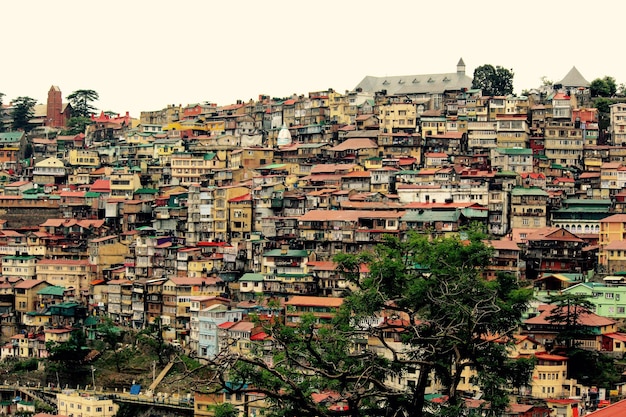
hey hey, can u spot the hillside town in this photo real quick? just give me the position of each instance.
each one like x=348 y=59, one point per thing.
x=201 y=216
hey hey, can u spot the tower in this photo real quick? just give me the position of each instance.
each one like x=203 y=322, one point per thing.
x=460 y=67
x=54 y=108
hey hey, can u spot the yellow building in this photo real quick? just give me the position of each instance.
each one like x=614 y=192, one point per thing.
x=66 y=273
x=339 y=110
x=106 y=251
x=549 y=376
x=512 y=131
x=398 y=115
x=124 y=183
x=221 y=212
x=26 y=298
x=240 y=218
x=57 y=335
x=190 y=168
x=74 y=404
x=84 y=158
x=613 y=233
x=19 y=266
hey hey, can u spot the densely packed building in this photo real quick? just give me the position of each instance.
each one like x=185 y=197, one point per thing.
x=199 y=214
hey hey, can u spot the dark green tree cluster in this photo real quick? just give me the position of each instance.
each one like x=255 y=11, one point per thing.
x=23 y=111
x=433 y=298
x=588 y=367
x=82 y=109
x=603 y=87
x=81 y=102
x=493 y=81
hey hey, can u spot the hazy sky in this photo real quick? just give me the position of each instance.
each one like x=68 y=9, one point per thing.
x=144 y=54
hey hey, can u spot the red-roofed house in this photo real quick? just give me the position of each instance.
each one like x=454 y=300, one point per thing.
x=506 y=259
x=546 y=332
x=322 y=308
x=554 y=250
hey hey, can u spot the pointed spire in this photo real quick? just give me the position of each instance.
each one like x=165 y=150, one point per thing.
x=574 y=79
x=460 y=67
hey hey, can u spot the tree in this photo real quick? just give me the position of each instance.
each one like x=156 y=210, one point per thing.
x=23 y=111
x=2 y=128
x=76 y=125
x=111 y=335
x=81 y=102
x=72 y=351
x=603 y=87
x=429 y=294
x=567 y=313
x=493 y=81
x=225 y=410
x=152 y=335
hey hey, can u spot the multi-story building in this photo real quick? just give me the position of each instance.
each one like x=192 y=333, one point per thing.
x=323 y=309
x=555 y=250
x=617 y=123
x=512 y=131
x=397 y=115
x=528 y=207
x=512 y=159
x=563 y=143
x=19 y=266
x=50 y=171
x=188 y=168
x=209 y=319
x=73 y=403
x=69 y=273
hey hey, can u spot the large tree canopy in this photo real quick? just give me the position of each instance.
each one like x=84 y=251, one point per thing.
x=430 y=294
x=493 y=81
x=23 y=111
x=603 y=87
x=81 y=102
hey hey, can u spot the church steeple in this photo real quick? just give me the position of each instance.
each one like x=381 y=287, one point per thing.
x=460 y=67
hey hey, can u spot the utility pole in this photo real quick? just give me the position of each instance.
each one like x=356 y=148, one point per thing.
x=93 y=379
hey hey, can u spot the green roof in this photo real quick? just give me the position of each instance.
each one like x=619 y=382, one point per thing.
x=147 y=191
x=528 y=191
x=515 y=151
x=272 y=166
x=11 y=136
x=52 y=290
x=251 y=277
x=17 y=257
x=587 y=202
x=209 y=155
x=474 y=213
x=431 y=216
x=288 y=254
x=91 y=321
x=92 y=194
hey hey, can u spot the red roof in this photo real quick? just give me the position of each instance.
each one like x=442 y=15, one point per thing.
x=101 y=186
x=614 y=410
x=585 y=319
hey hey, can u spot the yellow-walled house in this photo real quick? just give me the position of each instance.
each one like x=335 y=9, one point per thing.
x=124 y=183
x=188 y=168
x=72 y=403
x=66 y=273
x=106 y=251
x=26 y=298
x=83 y=158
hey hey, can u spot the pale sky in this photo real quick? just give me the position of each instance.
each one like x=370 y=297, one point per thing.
x=145 y=54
